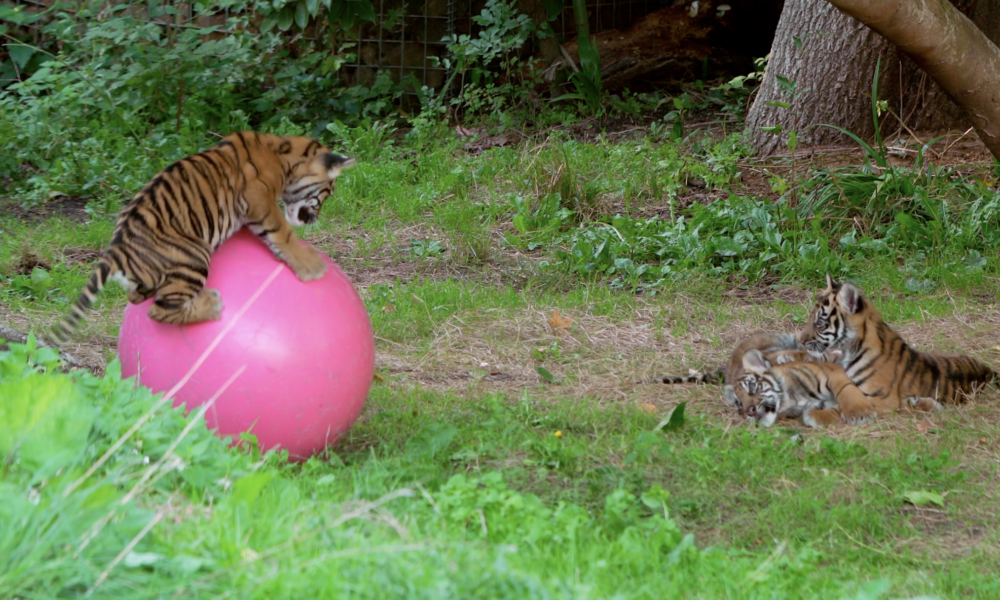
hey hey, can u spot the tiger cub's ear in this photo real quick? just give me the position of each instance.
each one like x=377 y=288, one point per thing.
x=829 y=282
x=755 y=362
x=336 y=164
x=849 y=298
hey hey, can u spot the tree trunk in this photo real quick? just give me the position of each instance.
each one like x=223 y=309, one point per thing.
x=912 y=95
x=949 y=47
x=831 y=60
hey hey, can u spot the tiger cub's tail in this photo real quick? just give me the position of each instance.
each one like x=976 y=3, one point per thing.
x=62 y=330
x=715 y=376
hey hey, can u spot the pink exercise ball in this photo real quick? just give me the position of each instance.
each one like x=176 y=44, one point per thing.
x=306 y=349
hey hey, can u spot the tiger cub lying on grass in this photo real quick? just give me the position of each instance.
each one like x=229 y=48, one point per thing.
x=881 y=363
x=874 y=371
x=738 y=385
x=846 y=365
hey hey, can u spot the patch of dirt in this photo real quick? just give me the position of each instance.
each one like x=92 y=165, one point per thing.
x=89 y=348
x=73 y=256
x=70 y=207
x=394 y=262
x=28 y=262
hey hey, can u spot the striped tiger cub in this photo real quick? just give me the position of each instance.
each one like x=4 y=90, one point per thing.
x=820 y=393
x=165 y=235
x=881 y=363
x=776 y=348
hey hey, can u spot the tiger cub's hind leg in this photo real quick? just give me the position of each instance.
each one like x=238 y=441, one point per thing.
x=182 y=299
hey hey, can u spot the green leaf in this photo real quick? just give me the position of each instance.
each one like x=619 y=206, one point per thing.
x=20 y=54
x=923 y=498
x=432 y=440
x=552 y=8
x=135 y=560
x=727 y=246
x=40 y=280
x=793 y=141
x=544 y=373
x=248 y=488
x=674 y=419
x=301 y=15
x=778 y=103
x=44 y=421
x=285 y=18
x=313 y=7
x=269 y=22
x=656 y=498
x=776 y=129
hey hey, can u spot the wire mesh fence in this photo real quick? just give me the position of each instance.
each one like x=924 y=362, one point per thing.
x=405 y=42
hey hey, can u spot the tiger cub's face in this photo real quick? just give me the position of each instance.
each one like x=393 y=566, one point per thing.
x=763 y=386
x=313 y=172
x=765 y=396
x=835 y=316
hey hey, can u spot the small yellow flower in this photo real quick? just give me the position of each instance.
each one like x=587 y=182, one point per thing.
x=558 y=434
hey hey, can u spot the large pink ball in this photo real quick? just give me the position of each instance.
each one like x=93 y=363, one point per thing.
x=308 y=350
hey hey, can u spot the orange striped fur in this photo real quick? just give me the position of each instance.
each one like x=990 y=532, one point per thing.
x=880 y=362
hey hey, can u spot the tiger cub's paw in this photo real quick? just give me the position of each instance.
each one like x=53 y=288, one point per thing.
x=820 y=417
x=856 y=416
x=307 y=264
x=923 y=404
x=209 y=304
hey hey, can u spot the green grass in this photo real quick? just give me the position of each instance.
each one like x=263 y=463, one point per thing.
x=489 y=501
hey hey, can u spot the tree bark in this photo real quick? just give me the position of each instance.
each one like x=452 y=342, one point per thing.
x=911 y=93
x=831 y=59
x=949 y=47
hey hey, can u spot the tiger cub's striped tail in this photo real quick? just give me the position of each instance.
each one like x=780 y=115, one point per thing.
x=715 y=376
x=62 y=330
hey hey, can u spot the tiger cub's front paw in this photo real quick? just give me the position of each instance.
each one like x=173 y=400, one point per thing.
x=307 y=263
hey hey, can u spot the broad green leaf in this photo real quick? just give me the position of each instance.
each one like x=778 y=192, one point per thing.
x=20 y=54
x=285 y=18
x=135 y=560
x=248 y=488
x=43 y=420
x=431 y=440
x=301 y=15
x=923 y=498
x=656 y=498
x=674 y=419
x=544 y=373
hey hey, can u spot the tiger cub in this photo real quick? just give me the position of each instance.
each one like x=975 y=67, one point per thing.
x=165 y=235
x=820 y=393
x=881 y=363
x=777 y=348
